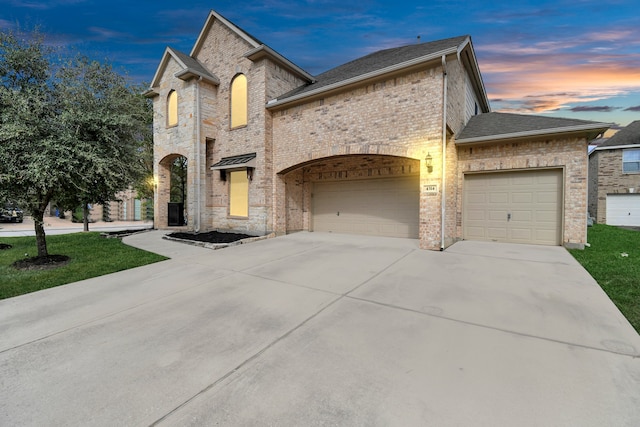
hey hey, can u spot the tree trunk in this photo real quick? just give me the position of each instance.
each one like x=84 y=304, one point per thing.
x=85 y=216
x=41 y=240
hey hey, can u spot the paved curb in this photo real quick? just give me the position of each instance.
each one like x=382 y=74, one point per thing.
x=215 y=246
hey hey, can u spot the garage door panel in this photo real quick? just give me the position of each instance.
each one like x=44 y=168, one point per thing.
x=532 y=198
x=383 y=207
x=623 y=209
x=522 y=234
x=521 y=216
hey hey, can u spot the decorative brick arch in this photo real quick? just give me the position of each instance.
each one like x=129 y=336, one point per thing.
x=163 y=190
x=294 y=184
x=350 y=150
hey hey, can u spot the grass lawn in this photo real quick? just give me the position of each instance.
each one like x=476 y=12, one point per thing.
x=91 y=255
x=618 y=274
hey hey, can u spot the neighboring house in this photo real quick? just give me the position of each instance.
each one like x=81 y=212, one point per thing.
x=398 y=143
x=614 y=178
x=126 y=207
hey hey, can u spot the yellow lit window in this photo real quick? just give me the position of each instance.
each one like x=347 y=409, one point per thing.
x=239 y=101
x=172 y=108
x=238 y=193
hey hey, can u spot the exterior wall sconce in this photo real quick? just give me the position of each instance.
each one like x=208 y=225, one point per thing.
x=428 y=161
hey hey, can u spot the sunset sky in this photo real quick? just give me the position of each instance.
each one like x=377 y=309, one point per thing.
x=566 y=58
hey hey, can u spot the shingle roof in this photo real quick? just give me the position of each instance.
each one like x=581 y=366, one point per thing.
x=506 y=125
x=193 y=65
x=377 y=61
x=629 y=135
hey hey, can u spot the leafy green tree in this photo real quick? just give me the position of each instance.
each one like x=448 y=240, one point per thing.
x=107 y=122
x=32 y=161
x=71 y=131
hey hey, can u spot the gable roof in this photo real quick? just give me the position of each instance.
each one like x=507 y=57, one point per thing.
x=387 y=61
x=191 y=67
x=625 y=137
x=502 y=126
x=257 y=50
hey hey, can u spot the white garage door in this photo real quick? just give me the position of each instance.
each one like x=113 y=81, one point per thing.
x=623 y=209
x=517 y=207
x=379 y=207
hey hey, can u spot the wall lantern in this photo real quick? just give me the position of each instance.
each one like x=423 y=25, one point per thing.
x=428 y=161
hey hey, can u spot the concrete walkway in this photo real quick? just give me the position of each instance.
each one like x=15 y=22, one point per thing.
x=55 y=225
x=321 y=329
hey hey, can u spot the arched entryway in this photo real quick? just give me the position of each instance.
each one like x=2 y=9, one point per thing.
x=172 y=191
x=354 y=194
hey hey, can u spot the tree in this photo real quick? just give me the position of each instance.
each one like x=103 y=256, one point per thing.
x=108 y=124
x=31 y=159
x=71 y=131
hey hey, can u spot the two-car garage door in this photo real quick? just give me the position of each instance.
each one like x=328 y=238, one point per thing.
x=381 y=207
x=517 y=207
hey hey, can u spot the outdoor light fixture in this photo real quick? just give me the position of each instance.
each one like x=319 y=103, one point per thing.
x=428 y=161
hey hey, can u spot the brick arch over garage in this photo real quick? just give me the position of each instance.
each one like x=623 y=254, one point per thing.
x=302 y=187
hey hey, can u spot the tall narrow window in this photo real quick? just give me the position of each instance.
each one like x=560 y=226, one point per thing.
x=239 y=193
x=172 y=108
x=239 y=101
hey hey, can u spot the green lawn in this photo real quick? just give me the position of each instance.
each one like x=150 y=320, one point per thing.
x=614 y=261
x=91 y=255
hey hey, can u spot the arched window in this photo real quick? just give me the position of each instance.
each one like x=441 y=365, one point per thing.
x=172 y=108
x=239 y=101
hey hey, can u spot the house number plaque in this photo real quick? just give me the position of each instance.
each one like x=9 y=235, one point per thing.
x=431 y=189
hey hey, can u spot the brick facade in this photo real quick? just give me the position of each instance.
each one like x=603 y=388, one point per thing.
x=570 y=155
x=381 y=127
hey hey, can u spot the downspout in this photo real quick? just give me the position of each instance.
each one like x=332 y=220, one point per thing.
x=444 y=152
x=198 y=149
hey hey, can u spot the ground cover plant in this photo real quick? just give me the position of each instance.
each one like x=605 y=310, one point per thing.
x=613 y=259
x=90 y=255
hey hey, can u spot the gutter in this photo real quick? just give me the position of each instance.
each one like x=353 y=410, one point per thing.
x=443 y=201
x=198 y=148
x=615 y=147
x=417 y=61
x=540 y=132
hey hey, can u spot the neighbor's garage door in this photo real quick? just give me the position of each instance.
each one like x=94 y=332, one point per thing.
x=379 y=207
x=517 y=207
x=623 y=209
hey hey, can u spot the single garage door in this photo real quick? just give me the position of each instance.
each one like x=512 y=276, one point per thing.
x=623 y=209
x=517 y=207
x=379 y=207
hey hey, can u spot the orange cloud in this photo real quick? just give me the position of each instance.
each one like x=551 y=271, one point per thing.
x=549 y=75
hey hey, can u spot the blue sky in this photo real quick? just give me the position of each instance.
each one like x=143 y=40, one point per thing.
x=566 y=58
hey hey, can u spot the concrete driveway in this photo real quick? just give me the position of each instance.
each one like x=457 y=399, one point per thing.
x=320 y=329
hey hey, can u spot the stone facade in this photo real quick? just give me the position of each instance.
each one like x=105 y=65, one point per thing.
x=383 y=126
x=606 y=177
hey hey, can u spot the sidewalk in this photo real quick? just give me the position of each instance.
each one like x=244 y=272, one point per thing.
x=55 y=225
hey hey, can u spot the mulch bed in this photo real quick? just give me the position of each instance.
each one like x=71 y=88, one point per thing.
x=211 y=236
x=41 y=263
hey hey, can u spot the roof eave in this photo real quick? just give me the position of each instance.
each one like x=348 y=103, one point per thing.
x=265 y=51
x=477 y=80
x=592 y=131
x=363 y=77
x=190 y=73
x=168 y=52
x=616 y=147
x=150 y=93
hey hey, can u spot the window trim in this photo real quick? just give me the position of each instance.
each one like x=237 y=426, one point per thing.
x=172 y=93
x=229 y=173
x=231 y=101
x=636 y=161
